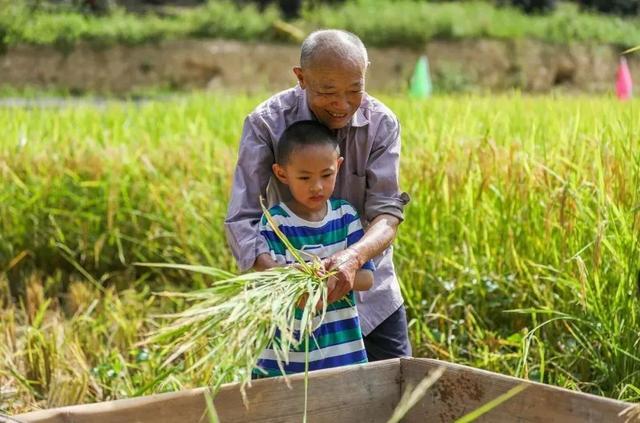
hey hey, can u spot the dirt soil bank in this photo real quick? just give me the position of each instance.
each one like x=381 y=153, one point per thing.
x=220 y=64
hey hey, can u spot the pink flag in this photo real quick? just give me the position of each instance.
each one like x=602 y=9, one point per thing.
x=623 y=82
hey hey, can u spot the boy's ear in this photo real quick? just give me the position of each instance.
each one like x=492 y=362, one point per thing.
x=340 y=160
x=280 y=173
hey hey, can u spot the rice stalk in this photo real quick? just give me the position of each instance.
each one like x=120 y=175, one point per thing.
x=485 y=408
x=631 y=414
x=412 y=395
x=211 y=409
x=237 y=317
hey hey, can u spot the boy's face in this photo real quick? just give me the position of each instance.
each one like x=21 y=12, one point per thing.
x=310 y=172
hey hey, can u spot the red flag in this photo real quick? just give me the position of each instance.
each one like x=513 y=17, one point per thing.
x=623 y=81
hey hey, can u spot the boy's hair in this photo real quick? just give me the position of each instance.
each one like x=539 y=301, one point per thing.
x=302 y=134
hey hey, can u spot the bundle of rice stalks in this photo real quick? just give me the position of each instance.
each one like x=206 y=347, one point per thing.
x=235 y=319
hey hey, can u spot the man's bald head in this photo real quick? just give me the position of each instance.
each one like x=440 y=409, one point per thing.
x=333 y=45
x=332 y=70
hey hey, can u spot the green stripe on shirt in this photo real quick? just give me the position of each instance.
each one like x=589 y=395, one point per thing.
x=331 y=339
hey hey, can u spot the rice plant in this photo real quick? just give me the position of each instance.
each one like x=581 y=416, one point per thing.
x=519 y=253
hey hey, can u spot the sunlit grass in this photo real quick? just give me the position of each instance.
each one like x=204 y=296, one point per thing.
x=519 y=253
x=404 y=23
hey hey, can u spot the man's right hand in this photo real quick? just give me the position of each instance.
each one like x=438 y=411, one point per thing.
x=331 y=285
x=264 y=262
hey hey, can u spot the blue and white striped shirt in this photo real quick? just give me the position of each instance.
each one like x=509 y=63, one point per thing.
x=338 y=340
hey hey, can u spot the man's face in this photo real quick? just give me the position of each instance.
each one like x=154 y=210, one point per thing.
x=334 y=91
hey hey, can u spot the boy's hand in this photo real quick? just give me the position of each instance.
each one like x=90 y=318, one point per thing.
x=264 y=262
x=345 y=263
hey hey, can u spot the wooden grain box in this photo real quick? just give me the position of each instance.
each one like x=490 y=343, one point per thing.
x=361 y=393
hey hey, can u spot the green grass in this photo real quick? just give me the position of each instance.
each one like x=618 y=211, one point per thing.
x=526 y=204
x=63 y=28
x=403 y=23
x=519 y=252
x=413 y=23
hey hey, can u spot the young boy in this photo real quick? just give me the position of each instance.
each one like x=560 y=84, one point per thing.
x=307 y=161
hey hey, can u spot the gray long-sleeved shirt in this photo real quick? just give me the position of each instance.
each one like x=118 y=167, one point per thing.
x=368 y=179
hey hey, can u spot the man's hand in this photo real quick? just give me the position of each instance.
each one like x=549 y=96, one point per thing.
x=345 y=263
x=378 y=236
x=331 y=284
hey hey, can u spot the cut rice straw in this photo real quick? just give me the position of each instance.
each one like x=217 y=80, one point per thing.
x=411 y=396
x=485 y=408
x=237 y=317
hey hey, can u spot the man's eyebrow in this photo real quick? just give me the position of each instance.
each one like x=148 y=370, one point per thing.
x=331 y=86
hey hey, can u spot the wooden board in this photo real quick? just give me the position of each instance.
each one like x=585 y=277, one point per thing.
x=365 y=393
x=462 y=389
x=361 y=393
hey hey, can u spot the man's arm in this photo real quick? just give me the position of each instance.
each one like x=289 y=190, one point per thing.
x=251 y=177
x=378 y=237
x=268 y=260
x=383 y=208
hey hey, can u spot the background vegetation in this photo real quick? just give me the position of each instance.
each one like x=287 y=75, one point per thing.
x=519 y=253
x=406 y=23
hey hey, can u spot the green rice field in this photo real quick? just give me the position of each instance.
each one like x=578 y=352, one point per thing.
x=520 y=251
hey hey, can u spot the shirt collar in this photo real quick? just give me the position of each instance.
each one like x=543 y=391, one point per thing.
x=359 y=118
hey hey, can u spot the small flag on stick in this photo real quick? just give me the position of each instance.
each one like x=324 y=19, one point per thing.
x=623 y=82
x=420 y=86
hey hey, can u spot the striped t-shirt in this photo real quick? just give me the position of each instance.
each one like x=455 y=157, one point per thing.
x=338 y=340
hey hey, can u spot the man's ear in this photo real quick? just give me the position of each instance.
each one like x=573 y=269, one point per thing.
x=280 y=173
x=297 y=70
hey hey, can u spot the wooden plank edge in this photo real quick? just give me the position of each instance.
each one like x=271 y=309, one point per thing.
x=84 y=412
x=484 y=386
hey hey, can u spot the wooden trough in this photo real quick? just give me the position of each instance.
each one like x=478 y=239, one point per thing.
x=361 y=393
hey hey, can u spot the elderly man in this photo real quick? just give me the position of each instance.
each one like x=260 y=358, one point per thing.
x=331 y=89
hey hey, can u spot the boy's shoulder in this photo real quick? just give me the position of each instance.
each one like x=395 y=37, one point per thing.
x=277 y=212
x=341 y=206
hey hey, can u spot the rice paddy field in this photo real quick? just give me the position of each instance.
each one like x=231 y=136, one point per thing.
x=520 y=251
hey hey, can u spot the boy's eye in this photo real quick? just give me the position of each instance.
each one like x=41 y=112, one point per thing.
x=303 y=178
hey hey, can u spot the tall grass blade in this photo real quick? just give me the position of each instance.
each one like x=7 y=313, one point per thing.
x=485 y=408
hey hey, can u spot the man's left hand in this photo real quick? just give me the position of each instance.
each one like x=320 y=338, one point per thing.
x=345 y=263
